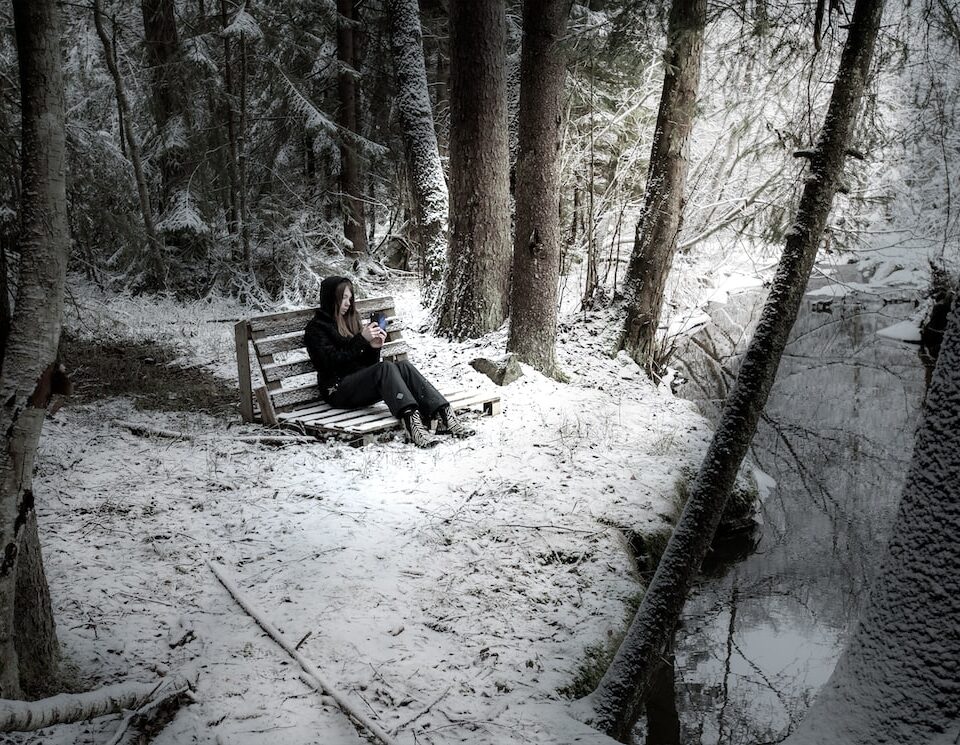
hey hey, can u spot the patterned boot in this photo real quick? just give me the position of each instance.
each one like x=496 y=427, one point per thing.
x=451 y=424
x=416 y=432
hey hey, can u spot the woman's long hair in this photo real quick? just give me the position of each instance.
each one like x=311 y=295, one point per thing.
x=348 y=324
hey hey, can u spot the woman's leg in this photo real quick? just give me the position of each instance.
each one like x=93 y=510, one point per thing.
x=432 y=404
x=379 y=382
x=427 y=397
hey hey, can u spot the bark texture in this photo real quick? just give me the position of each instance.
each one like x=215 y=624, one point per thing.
x=618 y=700
x=351 y=182
x=29 y=358
x=476 y=284
x=536 y=245
x=897 y=680
x=662 y=214
x=420 y=139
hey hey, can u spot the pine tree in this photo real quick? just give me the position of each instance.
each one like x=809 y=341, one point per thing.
x=476 y=284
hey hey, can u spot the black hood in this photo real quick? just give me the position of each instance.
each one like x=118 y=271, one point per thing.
x=328 y=294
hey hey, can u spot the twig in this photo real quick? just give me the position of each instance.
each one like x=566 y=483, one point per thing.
x=145 y=429
x=423 y=711
x=314 y=674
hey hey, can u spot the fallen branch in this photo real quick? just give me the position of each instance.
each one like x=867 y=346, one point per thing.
x=150 y=718
x=64 y=708
x=275 y=439
x=309 y=668
x=148 y=431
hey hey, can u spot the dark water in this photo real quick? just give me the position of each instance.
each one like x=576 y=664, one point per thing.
x=757 y=643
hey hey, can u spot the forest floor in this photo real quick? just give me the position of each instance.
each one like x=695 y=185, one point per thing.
x=450 y=593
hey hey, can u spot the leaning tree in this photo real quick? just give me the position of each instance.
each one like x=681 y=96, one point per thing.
x=617 y=702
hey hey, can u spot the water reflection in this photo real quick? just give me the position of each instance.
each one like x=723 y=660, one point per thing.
x=757 y=642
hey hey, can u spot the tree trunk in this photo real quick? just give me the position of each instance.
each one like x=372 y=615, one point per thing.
x=660 y=219
x=233 y=221
x=38 y=651
x=536 y=243
x=476 y=282
x=167 y=98
x=896 y=681
x=143 y=192
x=423 y=157
x=616 y=703
x=29 y=358
x=351 y=182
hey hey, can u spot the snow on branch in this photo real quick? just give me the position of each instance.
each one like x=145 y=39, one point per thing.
x=315 y=120
x=182 y=217
x=243 y=24
x=26 y=716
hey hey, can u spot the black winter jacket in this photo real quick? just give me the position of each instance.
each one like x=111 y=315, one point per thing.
x=334 y=356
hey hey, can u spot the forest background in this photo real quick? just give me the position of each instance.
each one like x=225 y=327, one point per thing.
x=251 y=150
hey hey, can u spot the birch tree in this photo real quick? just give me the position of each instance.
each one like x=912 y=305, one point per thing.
x=29 y=362
x=476 y=284
x=536 y=243
x=420 y=139
x=660 y=219
x=618 y=700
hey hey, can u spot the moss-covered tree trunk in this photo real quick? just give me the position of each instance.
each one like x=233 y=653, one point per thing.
x=618 y=700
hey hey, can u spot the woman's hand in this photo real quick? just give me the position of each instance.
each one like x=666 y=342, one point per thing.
x=379 y=337
x=369 y=332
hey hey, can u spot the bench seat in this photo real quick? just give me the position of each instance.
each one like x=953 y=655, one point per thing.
x=278 y=385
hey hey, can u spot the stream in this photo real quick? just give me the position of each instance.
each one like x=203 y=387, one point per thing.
x=761 y=636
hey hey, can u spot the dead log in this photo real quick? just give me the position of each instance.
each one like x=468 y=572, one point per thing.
x=64 y=708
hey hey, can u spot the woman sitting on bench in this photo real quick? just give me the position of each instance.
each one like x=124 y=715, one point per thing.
x=345 y=351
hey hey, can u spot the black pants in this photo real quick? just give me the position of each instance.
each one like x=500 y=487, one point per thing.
x=399 y=384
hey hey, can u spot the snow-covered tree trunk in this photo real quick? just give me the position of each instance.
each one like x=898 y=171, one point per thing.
x=416 y=119
x=664 y=199
x=618 y=700
x=476 y=283
x=536 y=243
x=155 y=257
x=898 y=680
x=351 y=182
x=29 y=360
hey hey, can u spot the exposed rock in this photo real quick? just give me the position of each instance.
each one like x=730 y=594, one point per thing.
x=502 y=371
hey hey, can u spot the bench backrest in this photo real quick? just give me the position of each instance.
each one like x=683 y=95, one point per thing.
x=279 y=376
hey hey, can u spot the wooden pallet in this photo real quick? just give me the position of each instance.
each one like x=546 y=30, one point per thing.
x=278 y=384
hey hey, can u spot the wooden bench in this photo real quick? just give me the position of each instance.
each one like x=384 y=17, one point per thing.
x=278 y=384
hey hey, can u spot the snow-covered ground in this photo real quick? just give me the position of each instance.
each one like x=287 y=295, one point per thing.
x=448 y=593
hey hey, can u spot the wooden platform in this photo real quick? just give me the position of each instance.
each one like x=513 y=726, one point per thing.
x=278 y=384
